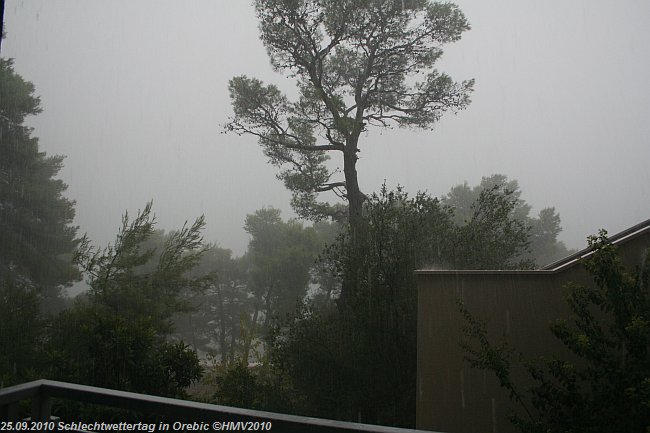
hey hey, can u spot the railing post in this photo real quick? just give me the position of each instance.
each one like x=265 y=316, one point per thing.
x=41 y=408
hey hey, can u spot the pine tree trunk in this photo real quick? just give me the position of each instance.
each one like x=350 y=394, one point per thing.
x=355 y=206
x=354 y=195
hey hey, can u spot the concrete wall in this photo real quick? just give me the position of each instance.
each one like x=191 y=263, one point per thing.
x=517 y=305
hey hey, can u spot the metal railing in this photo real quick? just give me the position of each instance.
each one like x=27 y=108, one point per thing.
x=209 y=417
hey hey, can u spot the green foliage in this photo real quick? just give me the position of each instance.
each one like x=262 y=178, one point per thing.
x=214 y=323
x=115 y=337
x=334 y=353
x=606 y=386
x=179 y=365
x=324 y=359
x=20 y=333
x=236 y=311
x=355 y=358
x=540 y=232
x=237 y=387
x=280 y=256
x=36 y=236
x=357 y=65
x=494 y=234
x=313 y=368
x=133 y=281
x=544 y=246
x=324 y=273
x=462 y=197
x=248 y=386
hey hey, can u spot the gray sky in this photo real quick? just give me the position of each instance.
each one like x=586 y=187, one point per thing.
x=135 y=93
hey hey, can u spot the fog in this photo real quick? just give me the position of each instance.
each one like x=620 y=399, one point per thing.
x=135 y=94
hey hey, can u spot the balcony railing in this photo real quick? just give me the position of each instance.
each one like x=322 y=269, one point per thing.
x=207 y=417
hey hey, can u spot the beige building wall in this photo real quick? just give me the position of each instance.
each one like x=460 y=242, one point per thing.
x=518 y=306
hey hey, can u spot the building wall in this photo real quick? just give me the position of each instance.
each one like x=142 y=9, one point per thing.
x=517 y=305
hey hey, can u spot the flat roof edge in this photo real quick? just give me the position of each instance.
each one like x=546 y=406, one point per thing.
x=554 y=267
x=484 y=272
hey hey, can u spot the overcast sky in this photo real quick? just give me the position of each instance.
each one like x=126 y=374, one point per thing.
x=135 y=93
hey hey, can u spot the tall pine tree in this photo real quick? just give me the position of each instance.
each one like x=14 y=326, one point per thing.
x=36 y=236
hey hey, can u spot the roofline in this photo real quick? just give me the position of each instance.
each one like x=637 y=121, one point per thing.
x=615 y=239
x=632 y=232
